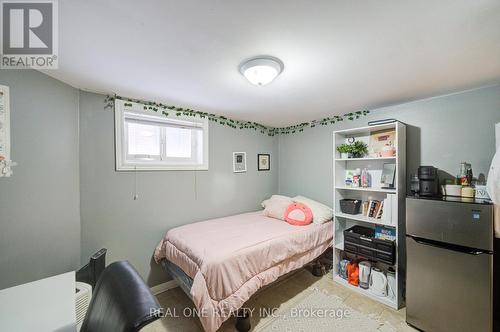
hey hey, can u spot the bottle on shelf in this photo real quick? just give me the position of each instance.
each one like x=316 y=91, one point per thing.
x=356 y=179
x=364 y=178
x=469 y=175
x=465 y=174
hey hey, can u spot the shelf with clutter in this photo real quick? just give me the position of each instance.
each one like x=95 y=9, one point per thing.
x=369 y=190
x=388 y=300
x=426 y=182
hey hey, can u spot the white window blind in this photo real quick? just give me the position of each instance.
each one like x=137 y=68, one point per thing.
x=143 y=140
x=179 y=141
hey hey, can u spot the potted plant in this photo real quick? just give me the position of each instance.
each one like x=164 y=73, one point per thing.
x=344 y=150
x=359 y=149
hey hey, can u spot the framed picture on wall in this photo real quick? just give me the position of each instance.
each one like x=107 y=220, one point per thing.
x=239 y=162
x=5 y=162
x=263 y=162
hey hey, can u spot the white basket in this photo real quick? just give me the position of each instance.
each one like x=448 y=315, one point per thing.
x=83 y=296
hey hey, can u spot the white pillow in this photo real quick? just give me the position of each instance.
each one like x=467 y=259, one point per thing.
x=275 y=206
x=264 y=203
x=321 y=212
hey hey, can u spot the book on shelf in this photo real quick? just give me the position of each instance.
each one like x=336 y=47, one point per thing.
x=373 y=208
x=392 y=217
x=385 y=233
x=369 y=211
x=381 y=122
x=380 y=210
x=387 y=216
x=383 y=210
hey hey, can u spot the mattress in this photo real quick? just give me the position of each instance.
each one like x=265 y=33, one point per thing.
x=230 y=258
x=184 y=281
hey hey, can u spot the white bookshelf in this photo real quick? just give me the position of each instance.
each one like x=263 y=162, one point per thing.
x=394 y=219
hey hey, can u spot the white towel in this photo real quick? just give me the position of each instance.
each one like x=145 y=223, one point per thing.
x=493 y=187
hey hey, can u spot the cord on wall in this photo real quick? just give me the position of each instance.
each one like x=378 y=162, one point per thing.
x=195 y=184
x=136 y=195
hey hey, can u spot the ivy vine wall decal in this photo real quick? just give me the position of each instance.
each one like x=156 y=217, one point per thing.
x=236 y=124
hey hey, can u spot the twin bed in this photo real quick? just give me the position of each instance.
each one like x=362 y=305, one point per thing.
x=221 y=263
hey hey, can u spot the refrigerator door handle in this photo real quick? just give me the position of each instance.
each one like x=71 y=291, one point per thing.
x=465 y=250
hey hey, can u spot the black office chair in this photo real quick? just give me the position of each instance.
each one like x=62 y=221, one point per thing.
x=121 y=302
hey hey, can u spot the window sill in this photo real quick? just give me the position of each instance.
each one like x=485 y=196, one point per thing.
x=140 y=168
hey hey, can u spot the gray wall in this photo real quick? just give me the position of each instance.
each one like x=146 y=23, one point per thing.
x=442 y=131
x=39 y=204
x=131 y=229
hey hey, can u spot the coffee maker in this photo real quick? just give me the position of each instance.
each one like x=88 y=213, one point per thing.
x=428 y=181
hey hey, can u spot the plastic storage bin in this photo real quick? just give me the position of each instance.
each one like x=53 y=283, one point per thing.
x=361 y=241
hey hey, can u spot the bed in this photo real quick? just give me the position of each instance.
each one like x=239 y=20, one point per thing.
x=220 y=263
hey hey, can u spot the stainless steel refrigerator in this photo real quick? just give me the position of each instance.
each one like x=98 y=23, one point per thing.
x=449 y=257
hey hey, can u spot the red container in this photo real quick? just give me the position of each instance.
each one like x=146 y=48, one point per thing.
x=353 y=273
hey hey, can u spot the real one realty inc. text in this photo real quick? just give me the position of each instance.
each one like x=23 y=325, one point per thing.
x=295 y=312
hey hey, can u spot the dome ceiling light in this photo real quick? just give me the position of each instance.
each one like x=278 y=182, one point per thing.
x=261 y=70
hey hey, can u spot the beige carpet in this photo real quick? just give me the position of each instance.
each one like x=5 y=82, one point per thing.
x=301 y=288
x=322 y=312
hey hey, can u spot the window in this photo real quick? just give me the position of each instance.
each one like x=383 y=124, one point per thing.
x=147 y=141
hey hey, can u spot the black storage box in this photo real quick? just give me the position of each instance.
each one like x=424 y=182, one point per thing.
x=361 y=241
x=350 y=206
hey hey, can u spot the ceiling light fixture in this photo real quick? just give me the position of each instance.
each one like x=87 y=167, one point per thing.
x=261 y=70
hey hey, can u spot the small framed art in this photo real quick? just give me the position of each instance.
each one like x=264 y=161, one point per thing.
x=5 y=162
x=388 y=173
x=239 y=162
x=263 y=162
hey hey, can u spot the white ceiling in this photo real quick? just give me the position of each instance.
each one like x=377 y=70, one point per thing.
x=339 y=56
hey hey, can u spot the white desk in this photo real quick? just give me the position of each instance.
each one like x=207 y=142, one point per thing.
x=42 y=305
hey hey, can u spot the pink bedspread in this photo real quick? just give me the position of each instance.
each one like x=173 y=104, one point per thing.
x=230 y=258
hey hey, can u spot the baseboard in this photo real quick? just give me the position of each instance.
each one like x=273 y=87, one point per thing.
x=158 y=289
